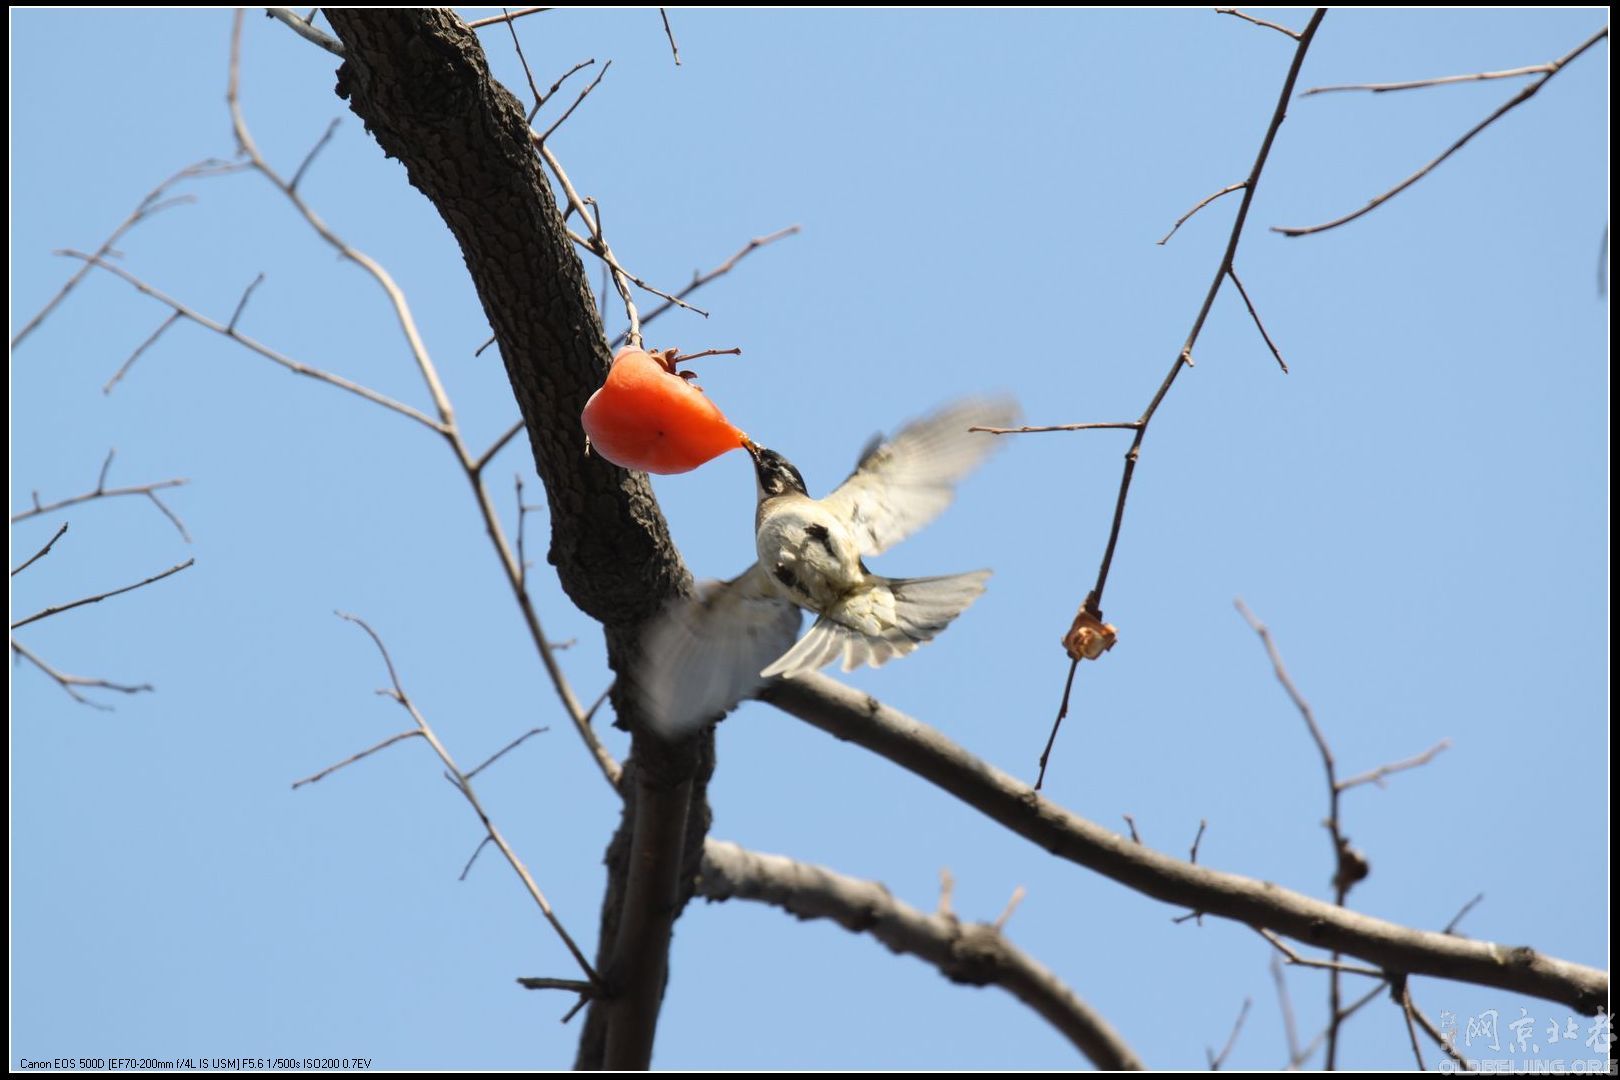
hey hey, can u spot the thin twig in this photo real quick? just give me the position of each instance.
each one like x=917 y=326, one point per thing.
x=1092 y=605
x=102 y=491
x=477 y=851
x=57 y=609
x=1285 y=1005
x=396 y=297
x=1192 y=857
x=68 y=682
x=577 y=205
x=1376 y=776
x=596 y=246
x=463 y=785
x=504 y=17
x=1506 y=107
x=500 y=444
x=352 y=758
x=1418 y=84
x=1013 y=901
x=583 y=94
x=1217 y=1060
x=1405 y=1000
x=1127 y=425
x=241 y=305
x=1451 y=927
x=671 y=35
x=306 y=30
x=1255 y=315
x=700 y=280
x=558 y=84
x=1183 y=219
x=530 y=982
x=153 y=203
x=1063 y=711
x=263 y=350
x=309 y=158
x=446 y=425
x=42 y=552
x=527 y=73
x=1259 y=22
x=1325 y=965
x=1431 y=1031
x=173 y=317
x=513 y=745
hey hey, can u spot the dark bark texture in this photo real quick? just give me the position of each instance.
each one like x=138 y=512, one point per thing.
x=420 y=81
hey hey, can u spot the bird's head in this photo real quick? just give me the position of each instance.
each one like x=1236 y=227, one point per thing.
x=774 y=473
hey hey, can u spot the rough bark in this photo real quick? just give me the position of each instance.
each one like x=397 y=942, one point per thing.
x=421 y=83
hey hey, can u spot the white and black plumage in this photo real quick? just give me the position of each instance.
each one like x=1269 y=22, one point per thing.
x=706 y=654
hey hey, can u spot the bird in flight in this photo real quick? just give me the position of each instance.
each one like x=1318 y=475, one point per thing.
x=706 y=653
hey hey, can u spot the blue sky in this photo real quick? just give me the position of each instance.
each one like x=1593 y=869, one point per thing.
x=1419 y=510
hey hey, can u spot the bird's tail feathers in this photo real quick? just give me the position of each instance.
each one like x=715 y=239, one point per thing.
x=922 y=608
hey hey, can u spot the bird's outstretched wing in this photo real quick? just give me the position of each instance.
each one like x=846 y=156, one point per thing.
x=703 y=655
x=903 y=484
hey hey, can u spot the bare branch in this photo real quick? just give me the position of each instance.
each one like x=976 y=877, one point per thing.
x=1444 y=80
x=42 y=552
x=306 y=30
x=154 y=203
x=1013 y=901
x=68 y=682
x=1376 y=776
x=543 y=98
x=700 y=280
x=1126 y=425
x=1217 y=1060
x=396 y=297
x=542 y=983
x=500 y=444
x=263 y=350
x=1325 y=965
x=1255 y=315
x=673 y=48
x=241 y=305
x=1259 y=22
x=1285 y=1005
x=1416 y=1016
x=463 y=784
x=1506 y=107
x=1451 y=927
x=57 y=609
x=505 y=17
x=1092 y=605
x=513 y=745
x=972 y=953
x=309 y=158
x=173 y=317
x=583 y=94
x=1184 y=218
x=352 y=758
x=1198 y=838
x=856 y=717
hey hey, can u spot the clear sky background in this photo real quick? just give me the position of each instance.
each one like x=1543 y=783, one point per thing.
x=1419 y=510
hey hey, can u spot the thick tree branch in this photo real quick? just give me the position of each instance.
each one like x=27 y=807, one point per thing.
x=973 y=953
x=420 y=81
x=856 y=717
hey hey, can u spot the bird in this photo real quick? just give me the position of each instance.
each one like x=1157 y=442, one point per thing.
x=702 y=655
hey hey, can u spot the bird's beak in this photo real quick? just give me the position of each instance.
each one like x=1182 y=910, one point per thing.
x=751 y=446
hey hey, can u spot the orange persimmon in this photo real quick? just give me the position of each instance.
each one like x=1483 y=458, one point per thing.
x=649 y=416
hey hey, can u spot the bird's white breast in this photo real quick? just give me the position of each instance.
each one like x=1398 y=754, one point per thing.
x=808 y=552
